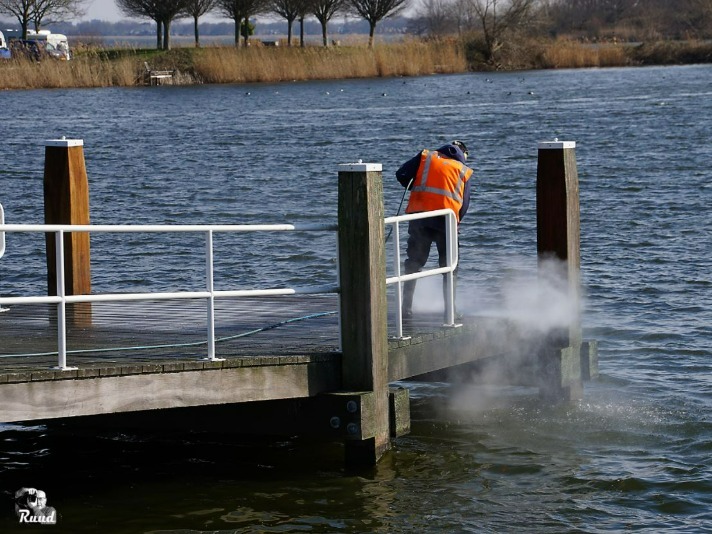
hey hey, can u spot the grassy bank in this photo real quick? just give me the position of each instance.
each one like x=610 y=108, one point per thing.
x=96 y=67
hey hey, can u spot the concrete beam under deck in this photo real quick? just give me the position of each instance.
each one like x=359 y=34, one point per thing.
x=102 y=388
x=425 y=353
x=150 y=387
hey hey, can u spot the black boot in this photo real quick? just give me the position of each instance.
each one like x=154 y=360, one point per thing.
x=408 y=292
x=458 y=316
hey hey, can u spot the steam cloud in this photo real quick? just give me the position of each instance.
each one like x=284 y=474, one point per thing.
x=530 y=306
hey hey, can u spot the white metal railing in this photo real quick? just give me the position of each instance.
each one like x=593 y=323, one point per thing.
x=2 y=242
x=210 y=294
x=2 y=234
x=448 y=270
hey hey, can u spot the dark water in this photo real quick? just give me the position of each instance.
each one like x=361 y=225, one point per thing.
x=633 y=455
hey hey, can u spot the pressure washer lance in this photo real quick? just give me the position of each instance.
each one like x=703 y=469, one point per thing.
x=407 y=187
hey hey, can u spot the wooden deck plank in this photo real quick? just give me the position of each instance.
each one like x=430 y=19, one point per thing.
x=132 y=337
x=294 y=359
x=145 y=332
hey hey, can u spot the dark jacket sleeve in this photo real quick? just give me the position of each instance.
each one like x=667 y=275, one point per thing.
x=407 y=171
x=466 y=198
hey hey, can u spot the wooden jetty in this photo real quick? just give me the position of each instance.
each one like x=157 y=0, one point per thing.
x=334 y=375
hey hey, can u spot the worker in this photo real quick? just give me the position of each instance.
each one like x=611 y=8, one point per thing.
x=436 y=180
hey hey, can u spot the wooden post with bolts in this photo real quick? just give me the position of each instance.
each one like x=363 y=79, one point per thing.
x=558 y=238
x=66 y=201
x=364 y=335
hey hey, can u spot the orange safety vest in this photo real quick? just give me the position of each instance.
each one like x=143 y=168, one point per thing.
x=439 y=183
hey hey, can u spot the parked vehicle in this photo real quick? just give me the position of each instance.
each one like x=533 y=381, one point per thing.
x=55 y=45
x=4 y=50
x=23 y=48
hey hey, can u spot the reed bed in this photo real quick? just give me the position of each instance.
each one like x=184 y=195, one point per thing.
x=96 y=67
x=261 y=64
x=576 y=55
x=85 y=71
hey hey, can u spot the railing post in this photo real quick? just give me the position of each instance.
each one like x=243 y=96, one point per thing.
x=211 y=288
x=558 y=238
x=452 y=258
x=362 y=275
x=61 y=305
x=2 y=242
x=210 y=305
x=2 y=234
x=399 y=284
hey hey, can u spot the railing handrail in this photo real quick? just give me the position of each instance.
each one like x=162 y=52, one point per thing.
x=168 y=228
x=210 y=294
x=176 y=295
x=451 y=256
x=419 y=215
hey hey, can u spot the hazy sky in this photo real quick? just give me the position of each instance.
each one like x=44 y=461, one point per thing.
x=103 y=10
x=107 y=10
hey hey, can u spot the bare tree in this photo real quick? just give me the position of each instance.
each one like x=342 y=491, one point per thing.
x=305 y=8
x=376 y=10
x=465 y=18
x=196 y=9
x=170 y=10
x=593 y=15
x=51 y=11
x=144 y=9
x=39 y=12
x=239 y=10
x=21 y=10
x=163 y=12
x=497 y=17
x=656 y=18
x=698 y=17
x=324 y=11
x=434 y=18
x=288 y=10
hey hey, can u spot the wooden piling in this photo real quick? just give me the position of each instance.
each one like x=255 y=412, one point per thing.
x=558 y=237
x=66 y=201
x=362 y=273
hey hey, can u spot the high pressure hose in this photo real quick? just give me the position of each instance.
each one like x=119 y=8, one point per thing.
x=407 y=187
x=217 y=340
x=176 y=345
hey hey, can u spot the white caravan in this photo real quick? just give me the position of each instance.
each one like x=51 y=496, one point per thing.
x=56 y=44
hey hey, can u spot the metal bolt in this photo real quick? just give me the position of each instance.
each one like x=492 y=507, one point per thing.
x=352 y=428
x=351 y=406
x=335 y=422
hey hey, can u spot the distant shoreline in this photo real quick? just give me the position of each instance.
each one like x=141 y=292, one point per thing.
x=188 y=41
